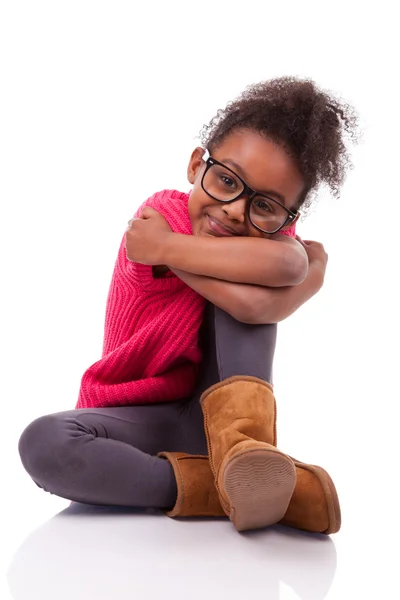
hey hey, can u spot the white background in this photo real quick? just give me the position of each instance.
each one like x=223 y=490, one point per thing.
x=100 y=106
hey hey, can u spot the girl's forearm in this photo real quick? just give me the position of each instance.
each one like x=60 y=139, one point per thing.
x=254 y=304
x=234 y=298
x=272 y=305
x=248 y=260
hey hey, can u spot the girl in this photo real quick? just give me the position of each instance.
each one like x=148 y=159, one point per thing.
x=179 y=413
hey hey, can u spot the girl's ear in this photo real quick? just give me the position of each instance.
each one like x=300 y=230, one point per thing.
x=195 y=163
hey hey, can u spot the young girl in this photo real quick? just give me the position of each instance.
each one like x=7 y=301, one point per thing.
x=179 y=413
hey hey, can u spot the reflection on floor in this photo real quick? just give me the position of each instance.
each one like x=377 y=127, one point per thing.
x=88 y=552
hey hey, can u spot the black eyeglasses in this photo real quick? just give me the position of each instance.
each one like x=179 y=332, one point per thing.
x=224 y=185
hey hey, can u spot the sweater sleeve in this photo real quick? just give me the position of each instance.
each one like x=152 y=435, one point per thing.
x=131 y=280
x=173 y=205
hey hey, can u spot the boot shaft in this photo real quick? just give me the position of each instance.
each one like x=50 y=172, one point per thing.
x=197 y=496
x=238 y=409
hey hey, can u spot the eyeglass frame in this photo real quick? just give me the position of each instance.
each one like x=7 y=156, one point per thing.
x=247 y=191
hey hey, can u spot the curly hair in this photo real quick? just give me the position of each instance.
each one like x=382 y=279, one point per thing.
x=311 y=124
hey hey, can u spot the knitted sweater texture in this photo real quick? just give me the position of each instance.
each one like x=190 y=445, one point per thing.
x=150 y=351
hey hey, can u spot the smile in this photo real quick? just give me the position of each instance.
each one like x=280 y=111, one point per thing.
x=218 y=228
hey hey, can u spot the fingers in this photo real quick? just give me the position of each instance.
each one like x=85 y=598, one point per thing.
x=148 y=212
x=130 y=223
x=311 y=243
x=298 y=238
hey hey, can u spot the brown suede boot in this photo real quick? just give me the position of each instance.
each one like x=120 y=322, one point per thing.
x=255 y=481
x=197 y=496
x=313 y=507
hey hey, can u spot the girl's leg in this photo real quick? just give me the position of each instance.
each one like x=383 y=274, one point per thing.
x=229 y=348
x=106 y=456
x=255 y=480
x=232 y=348
x=238 y=348
x=109 y=455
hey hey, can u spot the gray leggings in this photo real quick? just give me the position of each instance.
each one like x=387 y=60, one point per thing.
x=108 y=456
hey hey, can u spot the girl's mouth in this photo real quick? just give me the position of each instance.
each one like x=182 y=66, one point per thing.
x=218 y=228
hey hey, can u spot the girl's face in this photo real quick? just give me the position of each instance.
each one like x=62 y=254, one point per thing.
x=263 y=165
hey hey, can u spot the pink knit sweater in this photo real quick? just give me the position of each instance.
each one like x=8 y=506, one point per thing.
x=150 y=350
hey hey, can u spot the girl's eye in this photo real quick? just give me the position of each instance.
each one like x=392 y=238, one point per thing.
x=228 y=181
x=262 y=205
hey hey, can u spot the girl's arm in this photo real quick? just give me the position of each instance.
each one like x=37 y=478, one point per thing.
x=256 y=304
x=275 y=262
x=272 y=305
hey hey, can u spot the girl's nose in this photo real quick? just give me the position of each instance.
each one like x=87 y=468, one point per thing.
x=236 y=210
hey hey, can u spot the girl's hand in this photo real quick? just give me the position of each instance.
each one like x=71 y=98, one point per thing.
x=317 y=256
x=315 y=251
x=145 y=237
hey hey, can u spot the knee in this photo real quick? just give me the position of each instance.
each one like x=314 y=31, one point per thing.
x=39 y=446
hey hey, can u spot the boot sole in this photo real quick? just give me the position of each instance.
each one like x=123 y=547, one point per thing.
x=259 y=485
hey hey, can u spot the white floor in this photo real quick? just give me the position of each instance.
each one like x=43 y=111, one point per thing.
x=86 y=553
x=83 y=552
